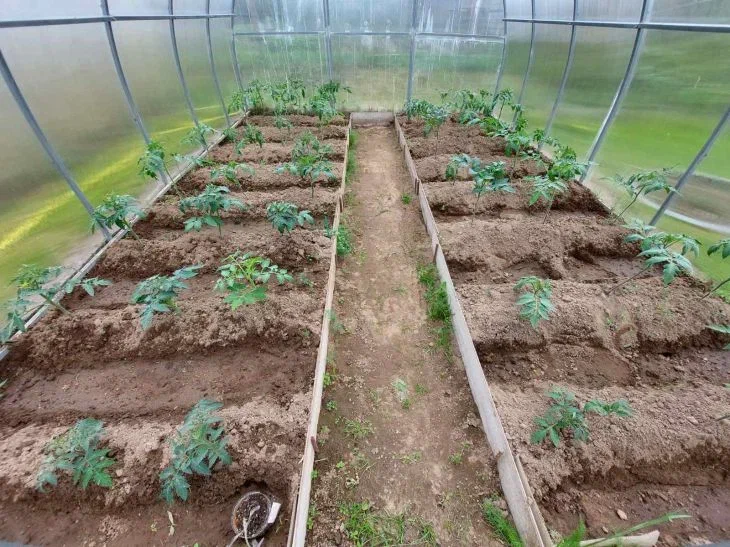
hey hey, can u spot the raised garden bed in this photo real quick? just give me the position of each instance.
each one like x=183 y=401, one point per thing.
x=644 y=343
x=257 y=360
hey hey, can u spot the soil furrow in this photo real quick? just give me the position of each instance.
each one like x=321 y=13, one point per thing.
x=648 y=344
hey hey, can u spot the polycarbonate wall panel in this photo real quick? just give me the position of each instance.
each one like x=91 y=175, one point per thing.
x=673 y=104
x=375 y=67
x=69 y=82
x=220 y=31
x=518 y=52
x=44 y=9
x=193 y=47
x=554 y=9
x=371 y=15
x=705 y=203
x=280 y=15
x=591 y=85
x=41 y=221
x=138 y=7
x=613 y=10
x=716 y=12
x=444 y=64
x=145 y=44
x=273 y=58
x=459 y=17
x=550 y=53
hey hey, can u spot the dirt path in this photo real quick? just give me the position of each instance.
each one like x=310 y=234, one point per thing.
x=421 y=454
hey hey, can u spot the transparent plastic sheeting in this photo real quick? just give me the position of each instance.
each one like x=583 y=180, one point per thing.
x=681 y=87
x=67 y=76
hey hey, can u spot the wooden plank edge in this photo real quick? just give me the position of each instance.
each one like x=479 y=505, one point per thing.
x=526 y=516
x=298 y=531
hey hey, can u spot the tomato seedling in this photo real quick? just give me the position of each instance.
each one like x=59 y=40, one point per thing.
x=643 y=183
x=566 y=415
x=208 y=206
x=244 y=276
x=77 y=453
x=159 y=293
x=285 y=216
x=115 y=211
x=722 y=247
x=308 y=160
x=196 y=447
x=535 y=302
x=251 y=135
x=230 y=171
x=197 y=135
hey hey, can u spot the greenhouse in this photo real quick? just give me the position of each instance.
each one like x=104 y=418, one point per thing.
x=368 y=273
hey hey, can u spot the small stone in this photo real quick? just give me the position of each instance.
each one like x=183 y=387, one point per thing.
x=605 y=530
x=621 y=514
x=260 y=444
x=692 y=420
x=118 y=472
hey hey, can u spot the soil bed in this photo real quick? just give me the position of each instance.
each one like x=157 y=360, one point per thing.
x=98 y=362
x=642 y=342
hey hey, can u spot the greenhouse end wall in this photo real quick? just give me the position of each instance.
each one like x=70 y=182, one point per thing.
x=178 y=59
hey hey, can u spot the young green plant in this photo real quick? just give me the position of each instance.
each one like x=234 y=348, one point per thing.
x=115 y=211
x=535 y=302
x=77 y=452
x=159 y=293
x=643 y=183
x=566 y=415
x=197 y=135
x=722 y=248
x=230 y=172
x=251 y=135
x=32 y=280
x=243 y=276
x=656 y=249
x=197 y=446
x=285 y=216
x=308 y=160
x=207 y=207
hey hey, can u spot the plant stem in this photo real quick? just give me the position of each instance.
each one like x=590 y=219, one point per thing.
x=716 y=287
x=547 y=212
x=629 y=279
x=56 y=305
x=629 y=205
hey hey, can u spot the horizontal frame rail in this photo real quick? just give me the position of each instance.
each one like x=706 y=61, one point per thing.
x=105 y=19
x=492 y=37
x=691 y=27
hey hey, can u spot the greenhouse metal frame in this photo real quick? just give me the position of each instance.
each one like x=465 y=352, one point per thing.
x=531 y=525
x=575 y=22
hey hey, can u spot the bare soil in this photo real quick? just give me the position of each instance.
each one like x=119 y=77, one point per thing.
x=403 y=465
x=98 y=362
x=641 y=342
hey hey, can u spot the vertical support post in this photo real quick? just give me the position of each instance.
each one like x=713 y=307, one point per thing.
x=566 y=71
x=692 y=166
x=133 y=110
x=178 y=66
x=327 y=38
x=234 y=52
x=212 y=64
x=530 y=58
x=623 y=87
x=500 y=70
x=45 y=143
x=131 y=104
x=412 y=53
